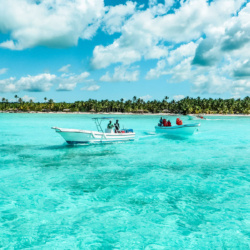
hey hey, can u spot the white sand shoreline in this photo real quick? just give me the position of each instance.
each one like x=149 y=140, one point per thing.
x=119 y=113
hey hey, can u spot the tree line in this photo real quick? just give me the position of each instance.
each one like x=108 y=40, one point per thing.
x=186 y=105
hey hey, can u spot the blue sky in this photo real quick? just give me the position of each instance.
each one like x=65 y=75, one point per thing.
x=81 y=49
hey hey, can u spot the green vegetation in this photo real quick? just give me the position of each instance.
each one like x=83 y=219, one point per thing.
x=185 y=106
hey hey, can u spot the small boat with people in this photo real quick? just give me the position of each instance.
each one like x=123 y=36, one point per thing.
x=166 y=127
x=112 y=133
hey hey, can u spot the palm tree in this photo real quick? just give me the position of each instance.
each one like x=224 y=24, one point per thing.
x=16 y=96
x=3 y=100
x=6 y=102
x=186 y=105
x=45 y=99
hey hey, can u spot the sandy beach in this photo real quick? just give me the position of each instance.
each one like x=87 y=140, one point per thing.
x=119 y=113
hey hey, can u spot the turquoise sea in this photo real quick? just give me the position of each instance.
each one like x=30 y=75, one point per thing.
x=154 y=193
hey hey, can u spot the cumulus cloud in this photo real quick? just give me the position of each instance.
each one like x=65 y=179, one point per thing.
x=8 y=85
x=183 y=51
x=65 y=69
x=242 y=70
x=230 y=41
x=92 y=87
x=38 y=83
x=240 y=87
x=210 y=84
x=156 y=72
x=177 y=63
x=215 y=64
x=144 y=34
x=178 y=97
x=204 y=42
x=42 y=82
x=48 y=23
x=135 y=42
x=121 y=74
x=206 y=54
x=116 y=16
x=27 y=98
x=68 y=83
x=146 y=97
x=3 y=71
x=104 y=56
x=237 y=33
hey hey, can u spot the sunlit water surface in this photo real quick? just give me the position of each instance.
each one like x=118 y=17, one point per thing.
x=153 y=193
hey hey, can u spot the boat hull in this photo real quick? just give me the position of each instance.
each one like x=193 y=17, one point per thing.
x=187 y=129
x=75 y=136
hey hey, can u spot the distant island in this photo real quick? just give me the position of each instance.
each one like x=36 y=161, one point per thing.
x=184 y=106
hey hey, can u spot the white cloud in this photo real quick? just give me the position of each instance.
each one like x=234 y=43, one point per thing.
x=136 y=41
x=143 y=35
x=3 y=71
x=183 y=71
x=42 y=82
x=38 y=83
x=178 y=97
x=7 y=85
x=116 y=16
x=68 y=83
x=48 y=23
x=65 y=68
x=177 y=63
x=93 y=87
x=121 y=74
x=157 y=72
x=204 y=42
x=211 y=83
x=214 y=65
x=146 y=97
x=184 y=51
x=104 y=56
x=27 y=98
x=241 y=87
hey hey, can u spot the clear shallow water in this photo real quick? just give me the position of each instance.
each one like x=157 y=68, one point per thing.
x=153 y=193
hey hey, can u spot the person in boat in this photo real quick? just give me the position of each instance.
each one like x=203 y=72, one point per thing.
x=117 y=126
x=178 y=121
x=110 y=125
x=169 y=123
x=164 y=122
x=160 y=122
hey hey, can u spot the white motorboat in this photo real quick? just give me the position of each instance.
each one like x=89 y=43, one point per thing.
x=187 y=129
x=76 y=136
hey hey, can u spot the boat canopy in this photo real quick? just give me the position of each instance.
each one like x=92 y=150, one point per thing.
x=98 y=122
